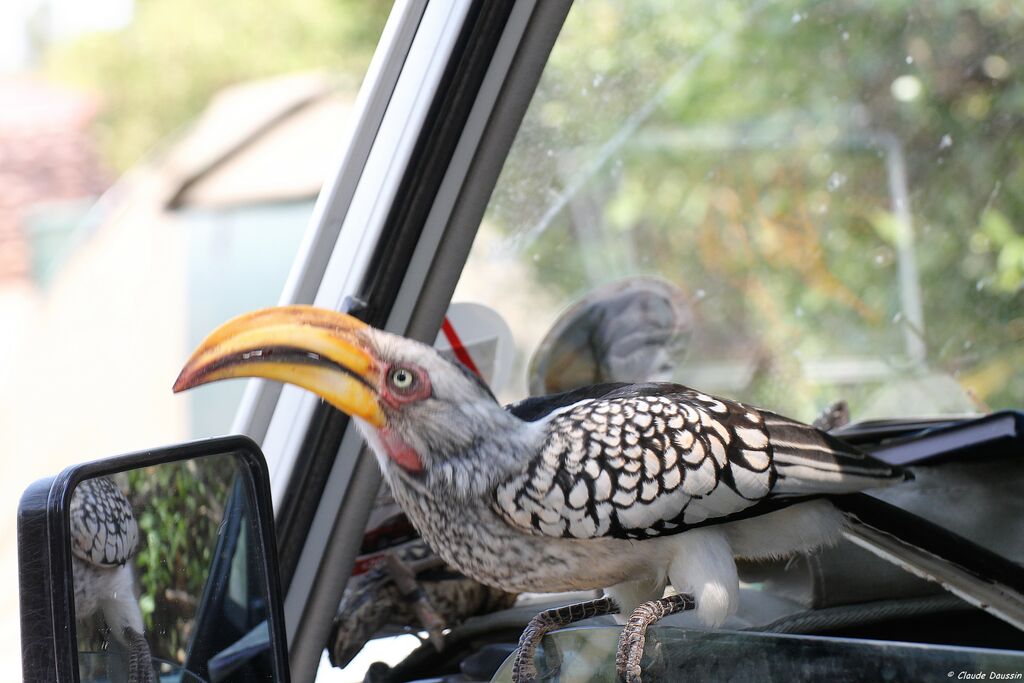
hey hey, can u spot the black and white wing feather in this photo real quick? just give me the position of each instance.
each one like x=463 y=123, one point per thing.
x=640 y=461
x=103 y=529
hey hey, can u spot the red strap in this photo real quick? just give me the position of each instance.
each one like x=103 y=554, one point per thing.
x=366 y=563
x=460 y=351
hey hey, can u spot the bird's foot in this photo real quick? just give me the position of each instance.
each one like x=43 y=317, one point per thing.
x=834 y=416
x=140 y=661
x=523 y=668
x=405 y=579
x=634 y=634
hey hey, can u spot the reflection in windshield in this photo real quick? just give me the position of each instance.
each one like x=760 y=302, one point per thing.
x=836 y=187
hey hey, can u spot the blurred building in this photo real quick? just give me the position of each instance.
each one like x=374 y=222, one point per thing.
x=48 y=164
x=101 y=301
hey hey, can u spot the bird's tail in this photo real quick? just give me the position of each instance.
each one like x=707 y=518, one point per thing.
x=810 y=462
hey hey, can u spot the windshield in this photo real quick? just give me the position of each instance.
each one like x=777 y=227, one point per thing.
x=586 y=654
x=829 y=195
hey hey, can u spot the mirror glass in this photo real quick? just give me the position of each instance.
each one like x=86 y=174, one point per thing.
x=169 y=574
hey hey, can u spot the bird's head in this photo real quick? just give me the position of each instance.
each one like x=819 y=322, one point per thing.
x=420 y=412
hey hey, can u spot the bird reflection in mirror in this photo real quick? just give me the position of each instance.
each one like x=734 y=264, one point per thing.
x=104 y=537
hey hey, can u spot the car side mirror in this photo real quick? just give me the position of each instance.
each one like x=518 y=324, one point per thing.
x=159 y=565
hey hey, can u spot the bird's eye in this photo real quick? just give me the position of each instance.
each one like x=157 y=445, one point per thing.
x=402 y=379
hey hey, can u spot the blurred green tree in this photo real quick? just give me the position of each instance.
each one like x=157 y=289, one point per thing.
x=180 y=510
x=808 y=170
x=160 y=71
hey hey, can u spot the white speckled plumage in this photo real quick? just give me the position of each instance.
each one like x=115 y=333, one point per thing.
x=662 y=462
x=103 y=528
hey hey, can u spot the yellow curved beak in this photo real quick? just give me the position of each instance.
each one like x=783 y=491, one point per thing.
x=323 y=351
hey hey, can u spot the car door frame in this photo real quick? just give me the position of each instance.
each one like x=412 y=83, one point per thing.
x=391 y=232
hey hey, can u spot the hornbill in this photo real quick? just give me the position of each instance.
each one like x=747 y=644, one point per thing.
x=104 y=537
x=625 y=487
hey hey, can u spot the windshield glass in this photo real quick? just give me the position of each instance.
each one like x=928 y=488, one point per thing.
x=829 y=195
x=587 y=654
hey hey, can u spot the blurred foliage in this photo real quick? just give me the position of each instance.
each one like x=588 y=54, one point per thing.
x=160 y=71
x=180 y=508
x=807 y=171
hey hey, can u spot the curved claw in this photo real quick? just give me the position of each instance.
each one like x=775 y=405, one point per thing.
x=634 y=633
x=140 y=661
x=524 y=670
x=834 y=416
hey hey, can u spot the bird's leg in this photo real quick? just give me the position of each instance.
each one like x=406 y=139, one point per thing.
x=523 y=668
x=140 y=661
x=405 y=579
x=834 y=416
x=634 y=634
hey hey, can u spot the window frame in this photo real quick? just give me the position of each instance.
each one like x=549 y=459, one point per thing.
x=391 y=231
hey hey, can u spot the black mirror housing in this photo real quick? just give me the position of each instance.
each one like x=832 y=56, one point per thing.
x=50 y=645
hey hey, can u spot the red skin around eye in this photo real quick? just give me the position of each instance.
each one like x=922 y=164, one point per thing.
x=396 y=399
x=397 y=449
